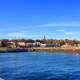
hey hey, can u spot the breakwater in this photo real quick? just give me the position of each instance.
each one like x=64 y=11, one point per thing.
x=5 y=49
x=76 y=50
x=40 y=49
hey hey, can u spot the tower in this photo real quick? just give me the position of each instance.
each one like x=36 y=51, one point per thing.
x=44 y=38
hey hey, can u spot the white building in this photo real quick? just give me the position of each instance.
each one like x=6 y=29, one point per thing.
x=66 y=46
x=11 y=44
x=78 y=45
x=0 y=43
x=42 y=45
x=21 y=44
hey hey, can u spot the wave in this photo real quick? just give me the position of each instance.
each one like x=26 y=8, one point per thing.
x=1 y=79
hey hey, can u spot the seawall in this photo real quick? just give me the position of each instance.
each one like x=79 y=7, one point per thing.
x=39 y=49
x=74 y=50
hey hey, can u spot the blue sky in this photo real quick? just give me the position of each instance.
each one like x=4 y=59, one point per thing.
x=56 y=19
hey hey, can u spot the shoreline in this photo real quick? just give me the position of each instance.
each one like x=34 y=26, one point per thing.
x=5 y=49
x=39 y=49
x=74 y=50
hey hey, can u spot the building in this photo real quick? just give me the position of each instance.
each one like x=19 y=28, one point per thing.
x=21 y=44
x=52 y=45
x=0 y=43
x=11 y=44
x=67 y=45
x=78 y=45
x=42 y=45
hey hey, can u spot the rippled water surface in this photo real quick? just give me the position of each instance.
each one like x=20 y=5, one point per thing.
x=39 y=66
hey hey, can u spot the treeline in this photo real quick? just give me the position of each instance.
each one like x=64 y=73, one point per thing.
x=46 y=41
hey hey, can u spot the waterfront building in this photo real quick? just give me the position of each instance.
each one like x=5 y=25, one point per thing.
x=29 y=45
x=78 y=45
x=42 y=45
x=53 y=45
x=11 y=44
x=0 y=43
x=66 y=45
x=21 y=44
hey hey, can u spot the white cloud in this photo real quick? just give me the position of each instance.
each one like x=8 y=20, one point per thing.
x=60 y=30
x=13 y=35
x=70 y=33
x=16 y=34
x=61 y=24
x=19 y=35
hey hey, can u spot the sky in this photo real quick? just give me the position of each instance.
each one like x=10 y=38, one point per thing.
x=32 y=19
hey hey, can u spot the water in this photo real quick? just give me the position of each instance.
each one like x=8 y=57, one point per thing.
x=39 y=66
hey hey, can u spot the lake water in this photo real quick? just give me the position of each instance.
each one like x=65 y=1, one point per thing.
x=39 y=66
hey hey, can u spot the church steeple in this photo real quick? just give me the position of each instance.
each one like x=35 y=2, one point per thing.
x=44 y=38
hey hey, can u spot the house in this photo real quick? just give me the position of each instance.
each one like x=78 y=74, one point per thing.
x=4 y=43
x=7 y=43
x=11 y=44
x=29 y=45
x=67 y=45
x=42 y=45
x=21 y=44
x=78 y=45
x=52 y=45
x=0 y=43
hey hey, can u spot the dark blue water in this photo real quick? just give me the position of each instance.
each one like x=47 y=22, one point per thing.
x=39 y=66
